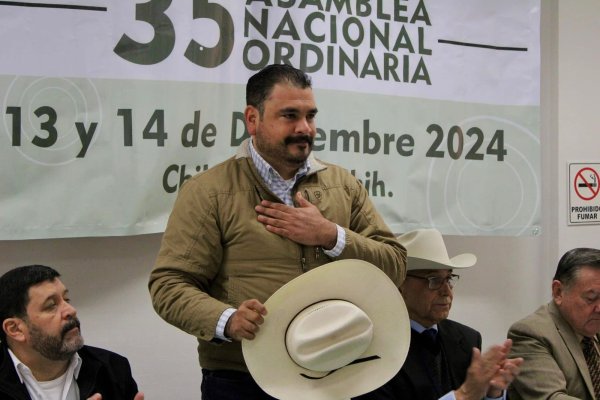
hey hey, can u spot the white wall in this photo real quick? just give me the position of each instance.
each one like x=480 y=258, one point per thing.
x=108 y=276
x=578 y=104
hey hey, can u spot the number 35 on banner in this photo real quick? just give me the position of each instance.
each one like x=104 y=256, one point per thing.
x=162 y=44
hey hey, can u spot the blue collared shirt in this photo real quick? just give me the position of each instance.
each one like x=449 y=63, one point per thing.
x=283 y=189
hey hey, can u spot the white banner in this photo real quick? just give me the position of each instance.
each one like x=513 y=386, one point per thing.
x=109 y=105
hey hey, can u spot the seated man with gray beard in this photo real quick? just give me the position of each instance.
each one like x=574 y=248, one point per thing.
x=42 y=355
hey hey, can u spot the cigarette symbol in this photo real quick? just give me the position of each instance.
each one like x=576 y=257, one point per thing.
x=592 y=185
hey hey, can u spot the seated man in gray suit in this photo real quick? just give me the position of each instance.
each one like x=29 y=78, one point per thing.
x=447 y=365
x=558 y=337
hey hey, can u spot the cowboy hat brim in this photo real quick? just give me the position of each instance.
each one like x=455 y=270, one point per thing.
x=355 y=281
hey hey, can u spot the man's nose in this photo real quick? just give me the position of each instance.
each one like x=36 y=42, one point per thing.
x=304 y=126
x=445 y=289
x=69 y=311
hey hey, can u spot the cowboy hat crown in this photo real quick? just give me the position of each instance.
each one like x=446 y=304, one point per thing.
x=426 y=250
x=335 y=332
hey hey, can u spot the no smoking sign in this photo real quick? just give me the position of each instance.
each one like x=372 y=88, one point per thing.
x=584 y=201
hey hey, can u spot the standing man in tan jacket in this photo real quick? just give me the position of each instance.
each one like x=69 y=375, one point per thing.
x=244 y=228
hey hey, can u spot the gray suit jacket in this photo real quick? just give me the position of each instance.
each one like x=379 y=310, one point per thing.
x=554 y=366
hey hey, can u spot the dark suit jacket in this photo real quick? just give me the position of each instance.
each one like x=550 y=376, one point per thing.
x=102 y=371
x=413 y=383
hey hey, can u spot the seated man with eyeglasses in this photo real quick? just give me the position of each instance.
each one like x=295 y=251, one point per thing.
x=444 y=360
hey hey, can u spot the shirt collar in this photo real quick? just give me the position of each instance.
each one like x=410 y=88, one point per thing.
x=420 y=328
x=74 y=365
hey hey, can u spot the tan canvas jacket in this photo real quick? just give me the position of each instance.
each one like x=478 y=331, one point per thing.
x=215 y=254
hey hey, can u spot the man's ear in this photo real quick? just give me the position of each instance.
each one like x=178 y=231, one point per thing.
x=14 y=329
x=251 y=117
x=557 y=291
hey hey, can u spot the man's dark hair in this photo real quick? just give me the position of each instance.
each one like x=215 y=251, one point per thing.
x=14 y=290
x=261 y=84
x=573 y=260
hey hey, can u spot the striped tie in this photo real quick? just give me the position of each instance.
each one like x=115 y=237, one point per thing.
x=593 y=362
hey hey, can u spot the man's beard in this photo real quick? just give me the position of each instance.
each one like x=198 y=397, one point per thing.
x=280 y=150
x=56 y=347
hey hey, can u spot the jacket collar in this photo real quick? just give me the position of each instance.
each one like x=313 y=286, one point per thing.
x=10 y=384
x=455 y=346
x=572 y=341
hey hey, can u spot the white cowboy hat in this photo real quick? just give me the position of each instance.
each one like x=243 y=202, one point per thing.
x=335 y=332
x=426 y=250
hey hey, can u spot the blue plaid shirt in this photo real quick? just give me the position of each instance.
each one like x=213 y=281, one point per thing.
x=281 y=187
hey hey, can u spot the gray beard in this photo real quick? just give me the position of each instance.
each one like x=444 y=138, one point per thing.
x=53 y=347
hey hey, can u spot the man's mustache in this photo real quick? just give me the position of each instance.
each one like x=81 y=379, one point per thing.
x=299 y=139
x=73 y=323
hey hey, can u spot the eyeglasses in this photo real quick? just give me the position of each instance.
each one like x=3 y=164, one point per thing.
x=436 y=282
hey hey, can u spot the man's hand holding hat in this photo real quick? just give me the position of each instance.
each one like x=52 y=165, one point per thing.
x=244 y=323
